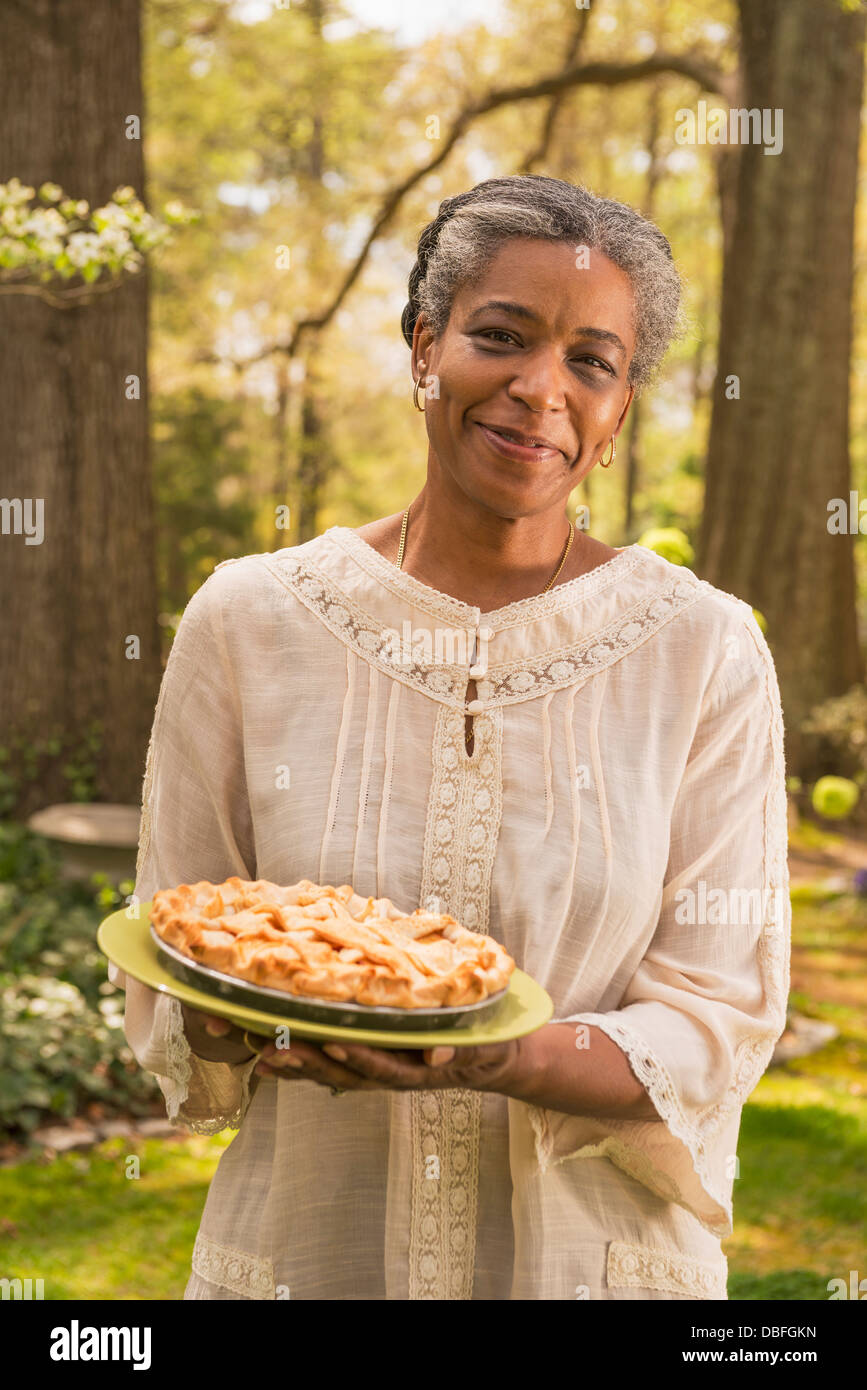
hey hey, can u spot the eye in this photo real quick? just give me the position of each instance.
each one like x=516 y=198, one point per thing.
x=488 y=332
x=598 y=362
x=498 y=334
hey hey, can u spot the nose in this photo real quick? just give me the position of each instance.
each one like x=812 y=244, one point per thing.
x=540 y=381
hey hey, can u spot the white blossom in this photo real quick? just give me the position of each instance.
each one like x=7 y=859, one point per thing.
x=52 y=241
x=82 y=247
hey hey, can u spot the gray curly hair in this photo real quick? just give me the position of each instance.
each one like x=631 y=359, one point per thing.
x=455 y=249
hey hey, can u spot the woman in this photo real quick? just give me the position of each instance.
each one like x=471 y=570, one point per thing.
x=575 y=748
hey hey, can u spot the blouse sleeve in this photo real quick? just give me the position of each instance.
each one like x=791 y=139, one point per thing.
x=700 y=1016
x=196 y=824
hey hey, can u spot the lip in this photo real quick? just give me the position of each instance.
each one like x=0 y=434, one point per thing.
x=512 y=449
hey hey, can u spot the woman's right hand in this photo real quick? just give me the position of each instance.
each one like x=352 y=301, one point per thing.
x=214 y=1039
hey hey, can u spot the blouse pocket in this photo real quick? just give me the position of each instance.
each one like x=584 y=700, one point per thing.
x=650 y=1267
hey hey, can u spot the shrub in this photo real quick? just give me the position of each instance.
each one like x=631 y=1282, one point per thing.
x=58 y=1052
x=835 y=798
x=669 y=542
x=837 y=734
x=62 y=1043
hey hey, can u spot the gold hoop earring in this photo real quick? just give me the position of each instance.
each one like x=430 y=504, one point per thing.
x=418 y=382
x=613 y=452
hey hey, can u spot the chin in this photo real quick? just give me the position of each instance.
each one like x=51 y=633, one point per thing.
x=509 y=505
x=505 y=500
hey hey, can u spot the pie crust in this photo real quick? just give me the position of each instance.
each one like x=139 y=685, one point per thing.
x=329 y=943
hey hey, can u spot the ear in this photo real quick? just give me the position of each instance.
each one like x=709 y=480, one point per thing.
x=625 y=411
x=421 y=341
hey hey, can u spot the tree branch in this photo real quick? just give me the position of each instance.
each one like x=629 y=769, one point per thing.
x=576 y=40
x=64 y=299
x=693 y=66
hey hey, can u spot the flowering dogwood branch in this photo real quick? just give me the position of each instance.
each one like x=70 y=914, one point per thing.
x=58 y=238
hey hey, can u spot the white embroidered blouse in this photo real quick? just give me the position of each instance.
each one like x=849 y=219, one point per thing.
x=620 y=826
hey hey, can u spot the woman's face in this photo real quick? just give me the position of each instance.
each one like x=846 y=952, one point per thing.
x=539 y=348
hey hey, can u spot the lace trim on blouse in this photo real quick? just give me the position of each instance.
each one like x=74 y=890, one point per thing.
x=463 y=822
x=507 y=683
x=643 y=1267
x=521 y=611
x=251 y=1276
x=576 y=663
x=144 y=837
x=175 y=1085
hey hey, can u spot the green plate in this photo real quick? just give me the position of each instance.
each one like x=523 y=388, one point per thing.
x=129 y=945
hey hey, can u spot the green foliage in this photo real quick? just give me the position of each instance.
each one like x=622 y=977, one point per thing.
x=203 y=450
x=25 y=761
x=835 y=798
x=57 y=1052
x=28 y=863
x=838 y=730
x=80 y=768
x=61 y=1021
x=669 y=542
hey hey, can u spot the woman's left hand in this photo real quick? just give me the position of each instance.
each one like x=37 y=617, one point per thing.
x=352 y=1067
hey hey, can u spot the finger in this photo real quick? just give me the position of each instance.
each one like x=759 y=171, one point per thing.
x=439 y=1056
x=217 y=1027
x=221 y=1028
x=212 y=1024
x=195 y=1016
x=310 y=1064
x=390 y=1067
x=357 y=1055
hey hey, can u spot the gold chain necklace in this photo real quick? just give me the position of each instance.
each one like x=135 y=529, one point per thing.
x=402 y=545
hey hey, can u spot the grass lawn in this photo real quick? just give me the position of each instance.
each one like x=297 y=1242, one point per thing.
x=89 y=1231
x=800 y=1202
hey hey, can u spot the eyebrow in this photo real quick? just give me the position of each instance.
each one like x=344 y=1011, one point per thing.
x=520 y=311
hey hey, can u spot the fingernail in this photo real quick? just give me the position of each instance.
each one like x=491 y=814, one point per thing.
x=334 y=1051
x=293 y=1062
x=441 y=1055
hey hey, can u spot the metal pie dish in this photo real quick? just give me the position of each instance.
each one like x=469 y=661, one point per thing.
x=328 y=1011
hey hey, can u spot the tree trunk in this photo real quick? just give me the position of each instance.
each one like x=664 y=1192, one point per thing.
x=634 y=462
x=779 y=453
x=282 y=462
x=314 y=458
x=313 y=463
x=70 y=435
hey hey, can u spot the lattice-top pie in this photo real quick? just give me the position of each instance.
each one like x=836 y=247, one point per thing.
x=330 y=943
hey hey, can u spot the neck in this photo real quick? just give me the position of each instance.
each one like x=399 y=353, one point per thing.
x=486 y=560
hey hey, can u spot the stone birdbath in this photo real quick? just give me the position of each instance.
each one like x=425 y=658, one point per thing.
x=93 y=837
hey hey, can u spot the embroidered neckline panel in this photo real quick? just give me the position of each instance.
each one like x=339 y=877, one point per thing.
x=444 y=606
x=504 y=683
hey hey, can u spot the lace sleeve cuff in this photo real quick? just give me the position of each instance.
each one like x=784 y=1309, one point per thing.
x=689 y=1160
x=207 y=1097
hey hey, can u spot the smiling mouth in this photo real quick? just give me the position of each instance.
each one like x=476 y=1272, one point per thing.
x=524 y=441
